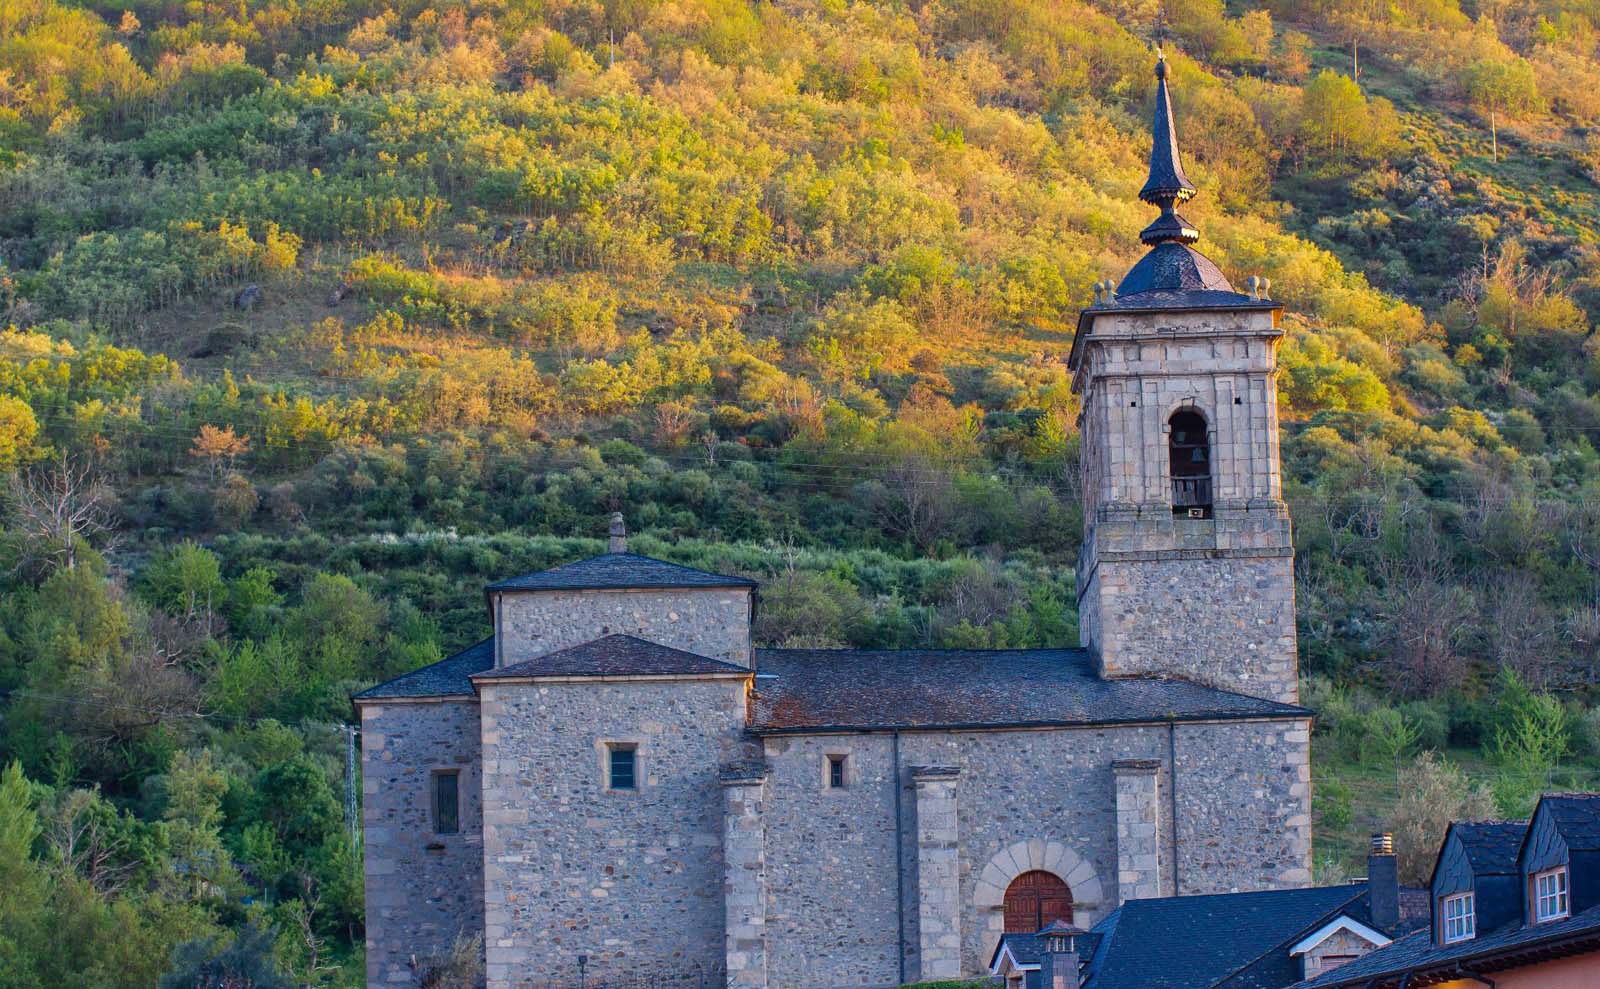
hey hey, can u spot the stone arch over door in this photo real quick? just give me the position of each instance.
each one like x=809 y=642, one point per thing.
x=1037 y=855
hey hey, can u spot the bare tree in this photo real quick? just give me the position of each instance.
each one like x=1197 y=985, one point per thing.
x=58 y=505
x=1522 y=630
x=914 y=499
x=1426 y=613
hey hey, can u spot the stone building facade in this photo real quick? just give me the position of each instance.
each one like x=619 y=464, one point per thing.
x=618 y=782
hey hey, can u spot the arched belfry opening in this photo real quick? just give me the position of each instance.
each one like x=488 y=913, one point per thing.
x=1034 y=899
x=1189 y=452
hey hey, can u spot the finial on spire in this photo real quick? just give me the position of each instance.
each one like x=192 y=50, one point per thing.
x=1167 y=185
x=618 y=535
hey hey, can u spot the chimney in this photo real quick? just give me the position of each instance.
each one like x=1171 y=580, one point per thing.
x=618 y=541
x=1383 y=883
x=1058 y=968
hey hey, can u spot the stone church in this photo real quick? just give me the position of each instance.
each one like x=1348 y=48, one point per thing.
x=618 y=781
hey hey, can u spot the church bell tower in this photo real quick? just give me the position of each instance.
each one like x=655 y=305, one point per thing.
x=1187 y=566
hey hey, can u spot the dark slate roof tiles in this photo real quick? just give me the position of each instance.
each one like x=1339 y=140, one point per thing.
x=1224 y=935
x=809 y=689
x=617 y=571
x=1418 y=951
x=1577 y=818
x=1491 y=846
x=1173 y=267
x=446 y=678
x=613 y=655
x=1167 y=182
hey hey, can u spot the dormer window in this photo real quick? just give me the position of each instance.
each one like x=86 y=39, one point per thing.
x=1550 y=895
x=1458 y=915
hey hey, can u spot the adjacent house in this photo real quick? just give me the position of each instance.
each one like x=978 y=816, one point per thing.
x=1268 y=939
x=1513 y=906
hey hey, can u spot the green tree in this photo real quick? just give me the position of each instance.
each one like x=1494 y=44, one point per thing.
x=18 y=427
x=1496 y=86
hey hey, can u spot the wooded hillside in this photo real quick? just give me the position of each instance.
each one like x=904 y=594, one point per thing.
x=323 y=314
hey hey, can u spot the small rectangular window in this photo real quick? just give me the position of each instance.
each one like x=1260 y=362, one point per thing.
x=1457 y=912
x=447 y=802
x=836 y=772
x=623 y=767
x=1550 y=895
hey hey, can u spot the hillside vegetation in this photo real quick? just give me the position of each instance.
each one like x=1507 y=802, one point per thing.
x=319 y=315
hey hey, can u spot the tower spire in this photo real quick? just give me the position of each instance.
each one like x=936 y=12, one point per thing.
x=1167 y=185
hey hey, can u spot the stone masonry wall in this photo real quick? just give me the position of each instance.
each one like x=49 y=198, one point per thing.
x=1137 y=369
x=1026 y=799
x=1226 y=622
x=1244 y=806
x=423 y=889
x=831 y=886
x=1209 y=599
x=831 y=854
x=712 y=622
x=631 y=879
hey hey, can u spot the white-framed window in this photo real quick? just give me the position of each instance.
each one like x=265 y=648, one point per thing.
x=1457 y=915
x=1550 y=895
x=836 y=772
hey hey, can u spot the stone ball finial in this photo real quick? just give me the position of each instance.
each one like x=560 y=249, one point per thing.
x=1266 y=288
x=618 y=533
x=1253 y=283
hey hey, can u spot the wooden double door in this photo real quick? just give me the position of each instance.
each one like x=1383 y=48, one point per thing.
x=1034 y=899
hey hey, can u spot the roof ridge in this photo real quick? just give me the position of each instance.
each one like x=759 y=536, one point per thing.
x=573 y=575
x=533 y=664
x=457 y=655
x=1327 y=917
x=935 y=649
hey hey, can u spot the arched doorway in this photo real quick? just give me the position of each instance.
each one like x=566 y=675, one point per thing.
x=1034 y=899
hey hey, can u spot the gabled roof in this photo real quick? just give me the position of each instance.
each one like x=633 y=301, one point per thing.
x=1512 y=945
x=1026 y=950
x=1343 y=922
x=446 y=678
x=802 y=690
x=618 y=571
x=1491 y=846
x=613 y=655
x=1223 y=936
x=1576 y=817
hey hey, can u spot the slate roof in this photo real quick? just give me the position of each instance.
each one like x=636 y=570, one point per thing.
x=1167 y=182
x=811 y=689
x=615 y=571
x=801 y=690
x=446 y=678
x=1491 y=846
x=1174 y=267
x=613 y=655
x=1577 y=817
x=1027 y=949
x=1224 y=936
x=1417 y=952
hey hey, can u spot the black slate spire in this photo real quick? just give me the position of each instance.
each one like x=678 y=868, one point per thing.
x=1167 y=185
